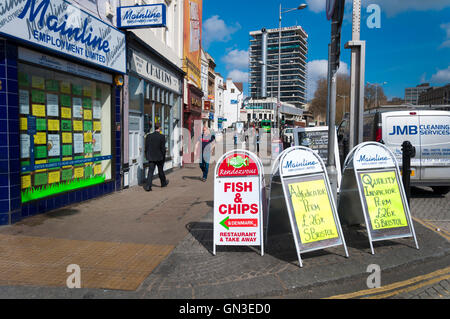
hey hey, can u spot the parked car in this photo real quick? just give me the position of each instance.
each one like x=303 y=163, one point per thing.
x=427 y=130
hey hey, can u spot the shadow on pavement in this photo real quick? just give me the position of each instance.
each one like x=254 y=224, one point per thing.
x=419 y=192
x=195 y=178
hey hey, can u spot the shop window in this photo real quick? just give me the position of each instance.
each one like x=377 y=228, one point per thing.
x=65 y=132
x=136 y=94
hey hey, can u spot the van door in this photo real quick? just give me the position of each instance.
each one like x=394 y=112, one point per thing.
x=435 y=141
x=398 y=127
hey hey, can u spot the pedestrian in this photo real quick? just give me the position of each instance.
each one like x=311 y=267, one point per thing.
x=155 y=152
x=236 y=136
x=207 y=143
x=257 y=140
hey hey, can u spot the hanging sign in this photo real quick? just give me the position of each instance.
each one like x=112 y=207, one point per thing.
x=239 y=203
x=311 y=208
x=143 y=16
x=372 y=193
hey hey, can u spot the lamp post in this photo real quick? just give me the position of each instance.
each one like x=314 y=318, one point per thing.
x=300 y=7
x=376 y=91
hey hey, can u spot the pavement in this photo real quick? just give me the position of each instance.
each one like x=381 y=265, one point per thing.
x=137 y=244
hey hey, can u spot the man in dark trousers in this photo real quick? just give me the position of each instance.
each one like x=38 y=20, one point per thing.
x=155 y=152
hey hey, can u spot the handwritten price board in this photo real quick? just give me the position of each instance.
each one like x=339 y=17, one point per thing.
x=312 y=211
x=383 y=199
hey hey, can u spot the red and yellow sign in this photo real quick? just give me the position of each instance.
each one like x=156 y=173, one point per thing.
x=192 y=40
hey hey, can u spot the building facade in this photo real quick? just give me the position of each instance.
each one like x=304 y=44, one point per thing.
x=232 y=104
x=412 y=94
x=264 y=54
x=60 y=107
x=435 y=96
x=219 y=103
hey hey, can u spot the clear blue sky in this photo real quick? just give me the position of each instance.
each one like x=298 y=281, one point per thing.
x=411 y=46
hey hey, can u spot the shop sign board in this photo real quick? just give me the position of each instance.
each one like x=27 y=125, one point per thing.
x=141 y=16
x=373 y=184
x=239 y=200
x=62 y=27
x=310 y=204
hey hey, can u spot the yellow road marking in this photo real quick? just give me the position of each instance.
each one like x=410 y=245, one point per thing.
x=396 y=285
x=412 y=288
x=432 y=227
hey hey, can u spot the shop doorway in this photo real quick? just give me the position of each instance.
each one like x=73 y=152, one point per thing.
x=136 y=150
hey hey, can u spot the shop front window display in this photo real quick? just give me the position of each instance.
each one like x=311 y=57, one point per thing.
x=65 y=132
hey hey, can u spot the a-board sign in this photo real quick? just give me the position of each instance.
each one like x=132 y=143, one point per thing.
x=316 y=138
x=239 y=200
x=373 y=194
x=311 y=208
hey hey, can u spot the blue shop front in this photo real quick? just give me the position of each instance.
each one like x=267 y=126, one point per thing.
x=60 y=107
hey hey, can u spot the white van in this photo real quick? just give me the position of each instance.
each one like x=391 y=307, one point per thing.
x=427 y=130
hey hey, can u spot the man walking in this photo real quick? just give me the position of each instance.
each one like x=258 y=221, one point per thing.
x=155 y=152
x=207 y=144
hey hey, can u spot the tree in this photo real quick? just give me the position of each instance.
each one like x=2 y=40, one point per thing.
x=373 y=96
x=319 y=102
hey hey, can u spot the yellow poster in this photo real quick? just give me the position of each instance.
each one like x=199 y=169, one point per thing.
x=38 y=110
x=66 y=112
x=78 y=172
x=77 y=125
x=65 y=87
x=53 y=125
x=40 y=162
x=88 y=137
x=38 y=82
x=383 y=199
x=26 y=181
x=23 y=124
x=97 y=126
x=67 y=138
x=40 y=138
x=97 y=169
x=312 y=210
x=88 y=114
x=54 y=177
x=67 y=159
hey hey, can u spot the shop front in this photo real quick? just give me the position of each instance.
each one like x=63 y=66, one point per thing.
x=59 y=108
x=154 y=98
x=192 y=117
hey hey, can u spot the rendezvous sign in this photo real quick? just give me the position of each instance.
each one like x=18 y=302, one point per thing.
x=62 y=27
x=145 y=16
x=238 y=201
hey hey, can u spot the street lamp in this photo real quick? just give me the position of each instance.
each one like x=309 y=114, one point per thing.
x=300 y=7
x=376 y=91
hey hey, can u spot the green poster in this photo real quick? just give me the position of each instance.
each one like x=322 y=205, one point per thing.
x=88 y=148
x=40 y=179
x=87 y=103
x=98 y=93
x=23 y=79
x=41 y=124
x=77 y=89
x=87 y=126
x=51 y=85
x=67 y=149
x=88 y=171
x=66 y=174
x=37 y=96
x=65 y=100
x=24 y=163
x=66 y=125
x=40 y=151
x=54 y=160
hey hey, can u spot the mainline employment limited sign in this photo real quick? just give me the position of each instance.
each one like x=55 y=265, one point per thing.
x=59 y=26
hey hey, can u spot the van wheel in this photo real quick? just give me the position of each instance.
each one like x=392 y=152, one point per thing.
x=441 y=190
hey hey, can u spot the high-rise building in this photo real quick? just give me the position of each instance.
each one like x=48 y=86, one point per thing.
x=263 y=54
x=412 y=94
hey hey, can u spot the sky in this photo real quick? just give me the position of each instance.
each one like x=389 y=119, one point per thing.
x=410 y=46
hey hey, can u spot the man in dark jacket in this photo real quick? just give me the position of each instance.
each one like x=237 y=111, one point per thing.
x=155 y=152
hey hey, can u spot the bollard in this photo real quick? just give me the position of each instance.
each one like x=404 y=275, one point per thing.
x=408 y=151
